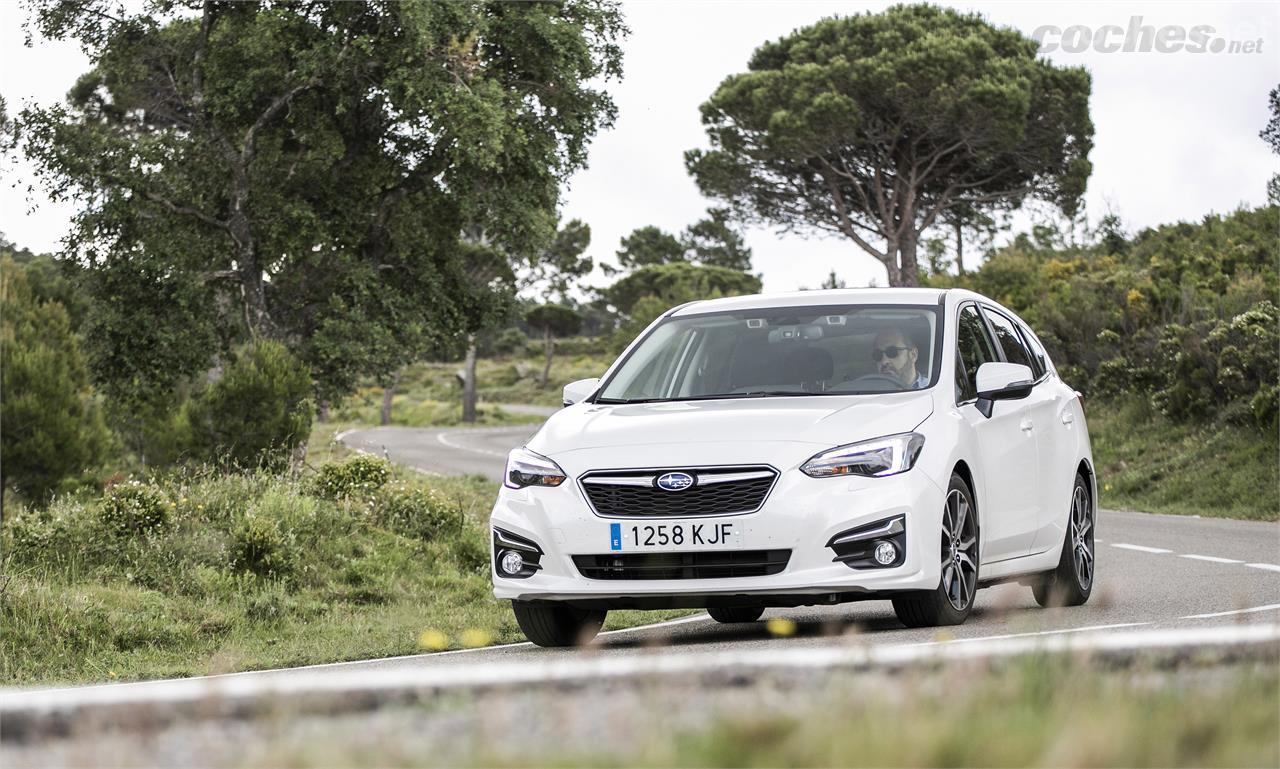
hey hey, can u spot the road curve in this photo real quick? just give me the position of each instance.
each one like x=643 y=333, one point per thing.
x=1154 y=571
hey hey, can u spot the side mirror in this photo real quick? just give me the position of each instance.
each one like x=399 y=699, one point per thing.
x=1002 y=382
x=575 y=392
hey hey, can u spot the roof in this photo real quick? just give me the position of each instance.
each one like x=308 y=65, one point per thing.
x=921 y=296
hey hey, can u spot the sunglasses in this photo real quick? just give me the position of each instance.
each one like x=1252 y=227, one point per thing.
x=891 y=352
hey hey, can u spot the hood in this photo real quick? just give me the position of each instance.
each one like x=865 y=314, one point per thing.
x=662 y=429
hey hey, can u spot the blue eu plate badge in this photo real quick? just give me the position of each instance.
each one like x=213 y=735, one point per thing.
x=615 y=536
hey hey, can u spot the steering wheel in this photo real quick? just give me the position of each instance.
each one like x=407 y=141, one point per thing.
x=868 y=379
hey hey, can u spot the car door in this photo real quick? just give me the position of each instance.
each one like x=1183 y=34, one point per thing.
x=1039 y=418
x=1007 y=458
x=1057 y=443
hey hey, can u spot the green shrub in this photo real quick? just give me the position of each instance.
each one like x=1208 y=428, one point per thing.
x=256 y=414
x=471 y=553
x=416 y=512
x=359 y=475
x=259 y=546
x=131 y=509
x=53 y=429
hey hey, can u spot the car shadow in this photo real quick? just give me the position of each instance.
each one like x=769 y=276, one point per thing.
x=835 y=626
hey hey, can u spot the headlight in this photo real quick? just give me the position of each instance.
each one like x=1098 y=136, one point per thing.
x=882 y=456
x=525 y=468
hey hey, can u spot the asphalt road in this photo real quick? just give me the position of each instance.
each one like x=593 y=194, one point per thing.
x=1154 y=571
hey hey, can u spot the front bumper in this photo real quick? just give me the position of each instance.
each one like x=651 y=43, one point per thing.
x=801 y=514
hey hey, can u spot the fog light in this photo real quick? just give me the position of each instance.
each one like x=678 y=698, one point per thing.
x=510 y=562
x=886 y=553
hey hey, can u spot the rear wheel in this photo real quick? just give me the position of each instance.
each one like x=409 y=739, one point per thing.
x=549 y=624
x=1071 y=583
x=950 y=602
x=735 y=614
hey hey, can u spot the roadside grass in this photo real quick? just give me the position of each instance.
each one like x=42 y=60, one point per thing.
x=1041 y=713
x=429 y=394
x=1032 y=711
x=1148 y=463
x=407 y=410
x=202 y=572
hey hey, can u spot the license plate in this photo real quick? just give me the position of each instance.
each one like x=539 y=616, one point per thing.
x=680 y=535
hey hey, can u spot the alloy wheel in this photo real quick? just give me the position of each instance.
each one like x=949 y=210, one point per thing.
x=1082 y=537
x=959 y=551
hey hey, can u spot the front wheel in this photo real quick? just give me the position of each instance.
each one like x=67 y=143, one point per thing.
x=1071 y=583
x=950 y=602
x=549 y=624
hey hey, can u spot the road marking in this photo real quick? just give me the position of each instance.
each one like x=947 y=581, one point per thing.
x=440 y=436
x=1267 y=566
x=1210 y=558
x=1141 y=548
x=1032 y=634
x=1268 y=607
x=667 y=623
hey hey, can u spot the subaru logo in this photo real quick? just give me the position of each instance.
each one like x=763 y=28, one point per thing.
x=675 y=481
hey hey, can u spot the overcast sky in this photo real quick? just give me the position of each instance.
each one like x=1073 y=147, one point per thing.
x=1176 y=133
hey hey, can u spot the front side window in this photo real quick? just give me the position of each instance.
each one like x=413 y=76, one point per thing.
x=973 y=348
x=831 y=350
x=1015 y=351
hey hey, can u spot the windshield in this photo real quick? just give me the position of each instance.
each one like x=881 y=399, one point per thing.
x=784 y=351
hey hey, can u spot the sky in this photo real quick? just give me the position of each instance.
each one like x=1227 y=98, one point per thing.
x=1176 y=132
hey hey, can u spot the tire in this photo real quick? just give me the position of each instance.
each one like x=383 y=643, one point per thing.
x=556 y=625
x=733 y=615
x=1071 y=583
x=952 y=600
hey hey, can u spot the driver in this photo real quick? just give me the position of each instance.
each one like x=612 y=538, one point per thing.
x=895 y=356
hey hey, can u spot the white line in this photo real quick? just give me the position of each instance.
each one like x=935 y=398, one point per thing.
x=440 y=436
x=1267 y=566
x=593 y=667
x=1061 y=631
x=1269 y=607
x=344 y=434
x=1210 y=558
x=667 y=623
x=1141 y=548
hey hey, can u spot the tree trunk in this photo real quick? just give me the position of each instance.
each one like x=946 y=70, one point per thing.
x=959 y=248
x=909 y=271
x=388 y=393
x=469 y=382
x=549 y=348
x=322 y=412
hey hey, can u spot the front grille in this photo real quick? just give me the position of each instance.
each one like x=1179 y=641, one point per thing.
x=705 y=565
x=715 y=491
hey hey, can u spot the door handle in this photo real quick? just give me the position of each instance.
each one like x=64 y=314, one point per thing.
x=1026 y=425
x=1068 y=418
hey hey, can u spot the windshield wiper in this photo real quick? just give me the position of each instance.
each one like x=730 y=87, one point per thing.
x=751 y=394
x=712 y=397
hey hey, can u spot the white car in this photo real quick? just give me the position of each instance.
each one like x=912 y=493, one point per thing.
x=799 y=449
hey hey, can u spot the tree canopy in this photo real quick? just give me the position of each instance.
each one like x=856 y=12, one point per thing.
x=304 y=172
x=677 y=283
x=873 y=126
x=711 y=242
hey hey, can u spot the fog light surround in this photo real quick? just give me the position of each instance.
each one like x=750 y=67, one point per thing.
x=880 y=544
x=515 y=557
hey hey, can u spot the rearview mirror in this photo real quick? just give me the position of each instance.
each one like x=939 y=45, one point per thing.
x=575 y=392
x=1002 y=382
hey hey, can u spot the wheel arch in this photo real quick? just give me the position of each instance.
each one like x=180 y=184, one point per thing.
x=1085 y=468
x=961 y=468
